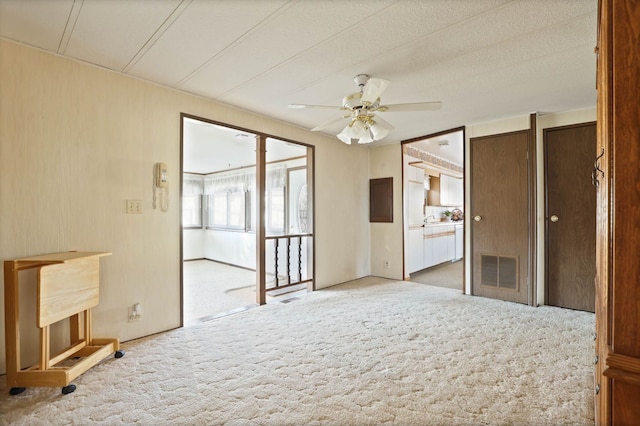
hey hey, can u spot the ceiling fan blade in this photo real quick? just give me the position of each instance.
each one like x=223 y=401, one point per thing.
x=300 y=106
x=373 y=89
x=329 y=123
x=418 y=106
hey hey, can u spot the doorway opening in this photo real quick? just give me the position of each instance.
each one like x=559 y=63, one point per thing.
x=433 y=192
x=242 y=212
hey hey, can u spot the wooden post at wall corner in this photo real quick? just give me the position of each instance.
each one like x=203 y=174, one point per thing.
x=533 y=211
x=311 y=252
x=261 y=149
x=617 y=362
x=601 y=385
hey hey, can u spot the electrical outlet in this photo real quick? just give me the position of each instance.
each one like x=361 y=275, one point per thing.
x=386 y=264
x=135 y=312
x=134 y=206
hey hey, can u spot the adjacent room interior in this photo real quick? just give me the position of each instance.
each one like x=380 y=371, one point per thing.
x=433 y=176
x=220 y=213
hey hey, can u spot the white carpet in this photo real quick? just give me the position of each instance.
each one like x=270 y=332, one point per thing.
x=368 y=352
x=209 y=288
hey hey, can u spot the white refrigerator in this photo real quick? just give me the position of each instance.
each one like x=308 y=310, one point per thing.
x=416 y=203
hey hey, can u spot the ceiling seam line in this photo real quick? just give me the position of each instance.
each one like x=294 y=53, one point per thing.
x=290 y=58
x=74 y=13
x=158 y=33
x=234 y=43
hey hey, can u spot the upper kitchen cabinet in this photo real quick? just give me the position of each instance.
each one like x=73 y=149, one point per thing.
x=451 y=191
x=446 y=191
x=415 y=174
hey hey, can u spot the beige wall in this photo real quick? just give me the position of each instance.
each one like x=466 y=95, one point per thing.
x=76 y=141
x=386 y=238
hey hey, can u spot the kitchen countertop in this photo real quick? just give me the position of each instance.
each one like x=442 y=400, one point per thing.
x=460 y=222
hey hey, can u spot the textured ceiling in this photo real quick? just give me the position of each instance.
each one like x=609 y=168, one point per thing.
x=484 y=59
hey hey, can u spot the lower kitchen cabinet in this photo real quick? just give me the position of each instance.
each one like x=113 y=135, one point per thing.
x=439 y=245
x=427 y=251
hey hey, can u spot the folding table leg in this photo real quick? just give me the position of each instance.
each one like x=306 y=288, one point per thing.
x=45 y=338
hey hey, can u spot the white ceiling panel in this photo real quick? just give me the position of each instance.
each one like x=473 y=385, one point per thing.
x=484 y=59
x=205 y=30
x=283 y=37
x=110 y=33
x=39 y=23
x=312 y=76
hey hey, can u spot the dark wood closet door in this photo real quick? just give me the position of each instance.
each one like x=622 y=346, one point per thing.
x=499 y=207
x=570 y=216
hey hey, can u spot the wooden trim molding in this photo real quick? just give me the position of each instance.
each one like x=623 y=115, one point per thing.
x=628 y=364
x=622 y=376
x=533 y=210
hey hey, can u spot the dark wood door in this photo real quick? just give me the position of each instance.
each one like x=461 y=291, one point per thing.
x=570 y=223
x=499 y=214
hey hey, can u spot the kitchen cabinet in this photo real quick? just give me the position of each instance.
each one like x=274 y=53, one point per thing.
x=443 y=248
x=446 y=191
x=427 y=247
x=416 y=250
x=415 y=174
x=439 y=244
x=451 y=191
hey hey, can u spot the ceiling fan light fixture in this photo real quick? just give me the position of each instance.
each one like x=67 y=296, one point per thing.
x=366 y=138
x=344 y=137
x=378 y=131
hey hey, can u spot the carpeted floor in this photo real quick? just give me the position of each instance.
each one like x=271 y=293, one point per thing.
x=213 y=288
x=372 y=351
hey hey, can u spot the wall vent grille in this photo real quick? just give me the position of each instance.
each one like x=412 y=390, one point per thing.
x=499 y=271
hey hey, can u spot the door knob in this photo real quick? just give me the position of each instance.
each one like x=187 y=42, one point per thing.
x=477 y=218
x=554 y=218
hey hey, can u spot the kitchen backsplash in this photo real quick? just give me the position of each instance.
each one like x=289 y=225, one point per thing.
x=437 y=211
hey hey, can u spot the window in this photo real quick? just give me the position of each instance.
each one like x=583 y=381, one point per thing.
x=227 y=210
x=192 y=211
x=275 y=199
x=192 y=189
x=275 y=210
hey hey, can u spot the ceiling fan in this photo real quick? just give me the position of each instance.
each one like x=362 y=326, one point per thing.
x=363 y=125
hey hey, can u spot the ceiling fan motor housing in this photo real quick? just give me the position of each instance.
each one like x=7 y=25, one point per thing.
x=361 y=80
x=353 y=102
